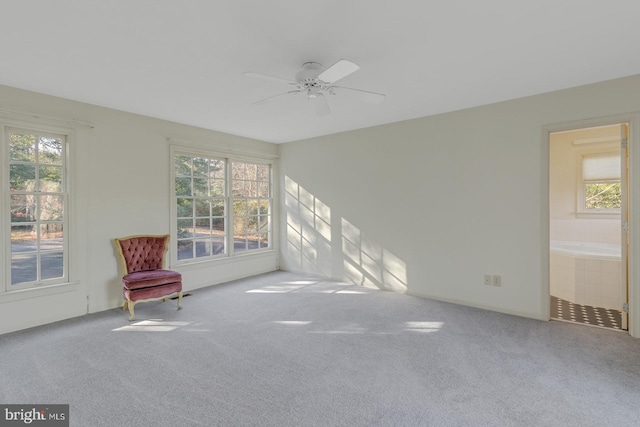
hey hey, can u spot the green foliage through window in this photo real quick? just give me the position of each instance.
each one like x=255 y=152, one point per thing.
x=37 y=207
x=222 y=207
x=200 y=200
x=603 y=195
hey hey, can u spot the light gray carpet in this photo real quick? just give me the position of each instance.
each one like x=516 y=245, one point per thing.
x=285 y=350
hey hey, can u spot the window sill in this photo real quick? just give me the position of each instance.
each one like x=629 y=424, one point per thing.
x=601 y=215
x=192 y=265
x=37 y=292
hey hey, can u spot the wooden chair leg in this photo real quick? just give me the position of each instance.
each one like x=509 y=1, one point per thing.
x=131 y=314
x=179 y=300
x=126 y=305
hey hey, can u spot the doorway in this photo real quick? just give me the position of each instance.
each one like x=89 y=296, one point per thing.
x=588 y=186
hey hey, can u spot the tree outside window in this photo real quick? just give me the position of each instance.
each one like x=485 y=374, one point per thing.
x=601 y=185
x=37 y=207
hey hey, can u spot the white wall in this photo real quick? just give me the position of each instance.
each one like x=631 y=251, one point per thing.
x=428 y=206
x=121 y=173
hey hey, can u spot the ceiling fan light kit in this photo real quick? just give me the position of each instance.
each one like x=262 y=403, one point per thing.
x=315 y=83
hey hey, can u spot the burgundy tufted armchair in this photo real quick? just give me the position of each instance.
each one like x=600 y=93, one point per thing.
x=145 y=277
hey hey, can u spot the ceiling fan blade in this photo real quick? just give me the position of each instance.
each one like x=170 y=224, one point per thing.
x=272 y=97
x=268 y=77
x=337 y=71
x=322 y=107
x=373 y=97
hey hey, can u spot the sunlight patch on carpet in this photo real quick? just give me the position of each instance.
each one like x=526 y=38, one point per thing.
x=151 y=325
x=423 y=327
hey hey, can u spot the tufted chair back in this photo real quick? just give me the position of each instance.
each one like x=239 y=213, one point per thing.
x=142 y=253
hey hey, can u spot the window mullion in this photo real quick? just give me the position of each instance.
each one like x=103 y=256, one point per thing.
x=193 y=212
x=36 y=191
x=194 y=245
x=229 y=206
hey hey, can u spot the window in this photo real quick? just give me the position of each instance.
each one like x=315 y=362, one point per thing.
x=222 y=206
x=200 y=190
x=37 y=208
x=251 y=206
x=600 y=190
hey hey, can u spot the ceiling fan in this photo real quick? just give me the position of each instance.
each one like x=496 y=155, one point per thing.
x=315 y=84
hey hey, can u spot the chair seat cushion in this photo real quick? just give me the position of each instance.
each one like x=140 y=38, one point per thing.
x=153 y=292
x=147 y=279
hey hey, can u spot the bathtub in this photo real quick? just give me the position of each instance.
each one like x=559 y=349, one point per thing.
x=586 y=273
x=586 y=249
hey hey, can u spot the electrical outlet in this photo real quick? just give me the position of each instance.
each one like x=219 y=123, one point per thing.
x=487 y=279
x=496 y=280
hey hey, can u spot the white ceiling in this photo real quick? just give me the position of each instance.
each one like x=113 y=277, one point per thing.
x=183 y=60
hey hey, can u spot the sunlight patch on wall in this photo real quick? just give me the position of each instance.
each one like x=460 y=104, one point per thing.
x=308 y=229
x=368 y=264
x=360 y=260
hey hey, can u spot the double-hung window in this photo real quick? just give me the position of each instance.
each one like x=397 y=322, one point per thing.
x=600 y=187
x=36 y=207
x=200 y=198
x=251 y=205
x=222 y=206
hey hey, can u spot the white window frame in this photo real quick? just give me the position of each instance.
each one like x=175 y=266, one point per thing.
x=233 y=198
x=179 y=150
x=175 y=238
x=582 y=210
x=5 y=203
